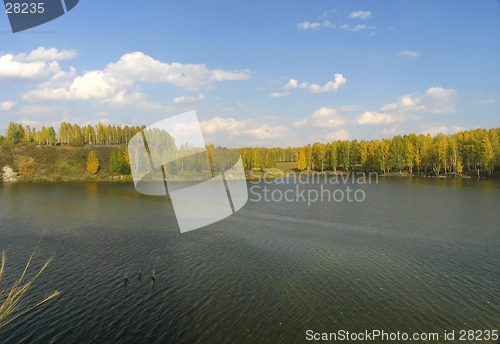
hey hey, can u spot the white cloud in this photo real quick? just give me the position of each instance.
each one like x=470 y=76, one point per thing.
x=434 y=130
x=228 y=109
x=265 y=131
x=326 y=23
x=6 y=106
x=291 y=84
x=224 y=75
x=321 y=118
x=376 y=118
x=134 y=100
x=409 y=53
x=11 y=70
x=360 y=14
x=314 y=88
x=226 y=125
x=230 y=132
x=306 y=25
x=188 y=99
x=276 y=95
x=390 y=28
x=439 y=101
x=484 y=101
x=357 y=27
x=436 y=100
x=42 y=54
x=116 y=86
x=329 y=86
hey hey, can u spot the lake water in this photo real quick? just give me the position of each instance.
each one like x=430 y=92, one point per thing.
x=415 y=256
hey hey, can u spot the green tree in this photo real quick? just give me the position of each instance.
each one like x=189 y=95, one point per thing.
x=115 y=160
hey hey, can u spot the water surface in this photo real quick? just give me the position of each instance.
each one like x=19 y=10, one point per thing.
x=417 y=255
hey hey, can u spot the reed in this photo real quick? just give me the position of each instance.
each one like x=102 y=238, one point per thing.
x=10 y=307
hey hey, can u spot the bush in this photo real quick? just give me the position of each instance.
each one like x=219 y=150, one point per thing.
x=26 y=167
x=118 y=162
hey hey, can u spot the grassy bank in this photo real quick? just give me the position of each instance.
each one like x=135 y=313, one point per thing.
x=57 y=163
x=64 y=163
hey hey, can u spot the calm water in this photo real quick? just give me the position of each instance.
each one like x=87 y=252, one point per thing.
x=415 y=256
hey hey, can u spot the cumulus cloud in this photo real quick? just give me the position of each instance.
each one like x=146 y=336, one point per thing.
x=225 y=125
x=134 y=100
x=265 y=131
x=42 y=54
x=321 y=118
x=409 y=53
x=378 y=118
x=326 y=23
x=314 y=88
x=276 y=95
x=6 y=106
x=434 y=130
x=329 y=86
x=242 y=133
x=360 y=14
x=292 y=84
x=306 y=25
x=436 y=100
x=189 y=100
x=11 y=70
x=116 y=85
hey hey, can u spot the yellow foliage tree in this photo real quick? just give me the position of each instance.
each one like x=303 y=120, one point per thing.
x=301 y=159
x=92 y=163
x=26 y=167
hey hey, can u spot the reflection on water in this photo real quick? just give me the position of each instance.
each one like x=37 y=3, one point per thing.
x=418 y=255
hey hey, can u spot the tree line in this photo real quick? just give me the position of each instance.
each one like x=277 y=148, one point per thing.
x=72 y=134
x=475 y=150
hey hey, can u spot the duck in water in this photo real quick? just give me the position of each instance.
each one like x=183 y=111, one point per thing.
x=125 y=276
x=139 y=274
x=153 y=276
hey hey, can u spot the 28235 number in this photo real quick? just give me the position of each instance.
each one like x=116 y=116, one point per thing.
x=24 y=8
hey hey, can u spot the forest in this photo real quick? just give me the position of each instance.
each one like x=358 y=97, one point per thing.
x=476 y=151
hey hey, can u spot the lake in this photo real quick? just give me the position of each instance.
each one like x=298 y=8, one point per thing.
x=414 y=255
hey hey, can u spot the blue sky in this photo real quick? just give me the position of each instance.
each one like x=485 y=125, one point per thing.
x=266 y=73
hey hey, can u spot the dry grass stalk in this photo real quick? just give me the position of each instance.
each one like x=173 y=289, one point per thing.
x=10 y=308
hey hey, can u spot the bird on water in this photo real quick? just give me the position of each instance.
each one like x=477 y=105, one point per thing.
x=125 y=276
x=153 y=276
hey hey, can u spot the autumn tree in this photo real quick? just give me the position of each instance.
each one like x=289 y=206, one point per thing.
x=301 y=163
x=92 y=163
